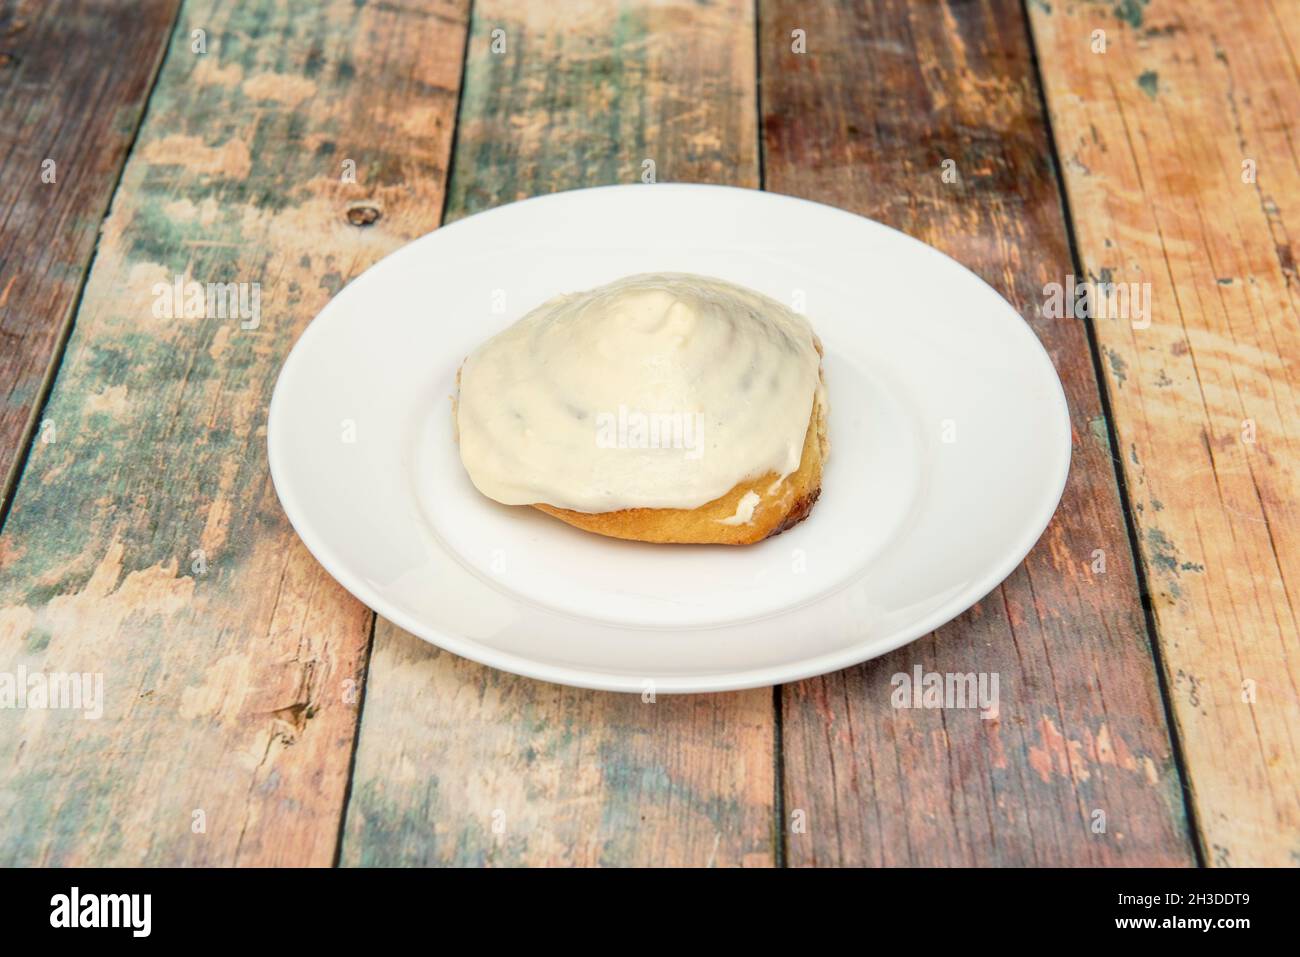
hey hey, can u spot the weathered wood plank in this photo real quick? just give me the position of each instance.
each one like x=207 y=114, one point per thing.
x=463 y=765
x=459 y=764
x=68 y=113
x=1179 y=152
x=145 y=542
x=864 y=119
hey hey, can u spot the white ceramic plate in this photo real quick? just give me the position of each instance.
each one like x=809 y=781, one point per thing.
x=950 y=444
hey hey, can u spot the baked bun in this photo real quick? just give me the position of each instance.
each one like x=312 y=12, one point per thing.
x=781 y=503
x=661 y=408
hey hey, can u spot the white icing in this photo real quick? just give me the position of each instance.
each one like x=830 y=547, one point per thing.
x=657 y=391
x=744 y=510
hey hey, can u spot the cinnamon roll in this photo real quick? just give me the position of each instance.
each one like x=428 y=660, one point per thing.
x=663 y=407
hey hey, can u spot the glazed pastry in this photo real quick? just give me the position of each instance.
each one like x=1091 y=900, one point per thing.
x=662 y=408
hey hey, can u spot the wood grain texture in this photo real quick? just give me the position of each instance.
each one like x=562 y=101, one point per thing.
x=62 y=101
x=586 y=92
x=864 y=119
x=460 y=764
x=145 y=541
x=1158 y=136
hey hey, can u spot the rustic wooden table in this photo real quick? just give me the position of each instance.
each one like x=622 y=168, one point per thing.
x=255 y=713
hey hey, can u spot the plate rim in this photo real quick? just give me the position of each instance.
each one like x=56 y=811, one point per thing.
x=594 y=679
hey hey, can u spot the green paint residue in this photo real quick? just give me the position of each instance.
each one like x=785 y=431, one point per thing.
x=1118 y=367
x=1162 y=550
x=1130 y=11
x=38 y=639
x=1097 y=426
x=1148 y=80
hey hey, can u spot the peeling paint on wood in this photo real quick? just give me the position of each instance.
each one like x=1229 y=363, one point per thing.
x=1080 y=739
x=463 y=765
x=460 y=764
x=1194 y=187
x=63 y=150
x=146 y=543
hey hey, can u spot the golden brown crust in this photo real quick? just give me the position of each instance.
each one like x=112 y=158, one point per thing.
x=781 y=508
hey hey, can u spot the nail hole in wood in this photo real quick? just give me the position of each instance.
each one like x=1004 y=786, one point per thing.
x=363 y=215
